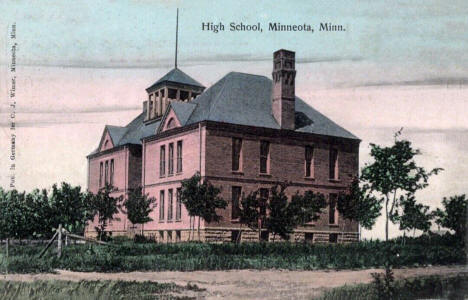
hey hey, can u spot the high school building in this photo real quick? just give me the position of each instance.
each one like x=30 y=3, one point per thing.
x=245 y=132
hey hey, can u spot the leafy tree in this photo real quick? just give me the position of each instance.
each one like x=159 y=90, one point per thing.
x=106 y=207
x=138 y=206
x=454 y=214
x=394 y=176
x=306 y=208
x=249 y=211
x=359 y=205
x=282 y=216
x=279 y=221
x=14 y=216
x=414 y=216
x=201 y=199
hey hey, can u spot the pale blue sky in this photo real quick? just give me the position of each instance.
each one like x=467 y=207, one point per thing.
x=429 y=34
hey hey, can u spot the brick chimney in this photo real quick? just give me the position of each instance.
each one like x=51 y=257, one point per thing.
x=283 y=92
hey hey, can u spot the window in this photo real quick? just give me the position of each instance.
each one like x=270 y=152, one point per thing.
x=169 y=205
x=106 y=178
x=332 y=211
x=111 y=180
x=100 y=174
x=333 y=164
x=161 y=236
x=178 y=205
x=264 y=155
x=171 y=159
x=264 y=194
x=171 y=123
x=236 y=194
x=177 y=234
x=309 y=154
x=236 y=154
x=162 y=161
x=179 y=156
x=161 y=205
x=333 y=238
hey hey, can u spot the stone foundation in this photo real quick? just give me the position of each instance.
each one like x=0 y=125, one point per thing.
x=224 y=235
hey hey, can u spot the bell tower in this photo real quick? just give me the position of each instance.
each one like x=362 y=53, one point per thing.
x=174 y=86
x=283 y=90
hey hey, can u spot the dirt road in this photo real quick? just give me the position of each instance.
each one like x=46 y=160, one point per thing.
x=247 y=284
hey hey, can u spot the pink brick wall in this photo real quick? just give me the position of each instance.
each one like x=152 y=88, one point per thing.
x=154 y=183
x=287 y=163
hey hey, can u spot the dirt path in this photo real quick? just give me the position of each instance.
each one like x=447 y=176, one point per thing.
x=247 y=284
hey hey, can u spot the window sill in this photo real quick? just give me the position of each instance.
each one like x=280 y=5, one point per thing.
x=161 y=221
x=170 y=175
x=334 y=180
x=179 y=173
x=162 y=176
x=178 y=221
x=264 y=175
x=169 y=221
x=235 y=220
x=238 y=172
x=309 y=178
x=333 y=225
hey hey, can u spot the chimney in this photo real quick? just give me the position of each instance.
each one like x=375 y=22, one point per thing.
x=283 y=92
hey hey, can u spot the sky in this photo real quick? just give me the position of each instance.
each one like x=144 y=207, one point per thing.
x=84 y=64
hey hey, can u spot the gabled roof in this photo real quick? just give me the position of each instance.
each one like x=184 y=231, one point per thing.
x=176 y=76
x=245 y=99
x=132 y=133
x=182 y=110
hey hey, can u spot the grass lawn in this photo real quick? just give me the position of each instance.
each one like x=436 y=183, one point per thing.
x=128 y=256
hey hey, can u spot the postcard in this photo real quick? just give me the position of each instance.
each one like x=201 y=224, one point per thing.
x=234 y=149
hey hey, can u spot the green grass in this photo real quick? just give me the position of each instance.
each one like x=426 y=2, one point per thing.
x=55 y=290
x=128 y=256
x=425 y=287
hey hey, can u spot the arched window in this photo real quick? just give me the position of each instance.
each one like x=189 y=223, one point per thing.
x=171 y=123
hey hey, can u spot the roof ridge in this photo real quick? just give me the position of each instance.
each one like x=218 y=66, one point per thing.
x=215 y=98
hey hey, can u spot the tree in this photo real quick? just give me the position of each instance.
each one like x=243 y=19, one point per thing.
x=306 y=208
x=454 y=214
x=249 y=211
x=14 y=216
x=138 y=206
x=414 y=216
x=281 y=216
x=105 y=206
x=201 y=199
x=279 y=221
x=394 y=176
x=359 y=205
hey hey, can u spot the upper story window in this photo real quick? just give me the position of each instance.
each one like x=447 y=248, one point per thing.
x=236 y=195
x=333 y=163
x=162 y=161
x=264 y=157
x=101 y=167
x=171 y=159
x=236 y=154
x=179 y=156
x=332 y=210
x=161 y=205
x=309 y=158
x=106 y=177
x=111 y=175
x=178 y=212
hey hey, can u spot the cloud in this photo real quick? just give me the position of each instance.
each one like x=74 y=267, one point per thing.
x=439 y=81
x=94 y=109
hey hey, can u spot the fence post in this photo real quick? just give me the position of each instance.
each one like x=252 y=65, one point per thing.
x=59 y=242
